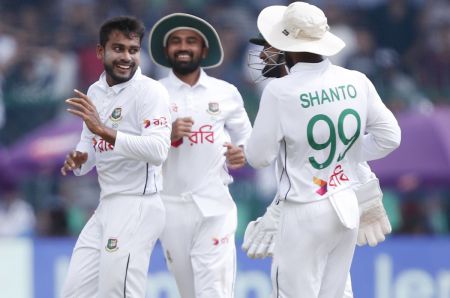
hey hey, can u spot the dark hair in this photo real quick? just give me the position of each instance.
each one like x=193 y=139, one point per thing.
x=124 y=24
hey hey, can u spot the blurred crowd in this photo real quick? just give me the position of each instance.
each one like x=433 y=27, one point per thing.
x=47 y=48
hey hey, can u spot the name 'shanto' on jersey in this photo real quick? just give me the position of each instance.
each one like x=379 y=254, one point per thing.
x=330 y=95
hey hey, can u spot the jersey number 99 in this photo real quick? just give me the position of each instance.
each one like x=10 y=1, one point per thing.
x=331 y=141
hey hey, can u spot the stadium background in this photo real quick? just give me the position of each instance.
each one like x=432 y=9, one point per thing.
x=47 y=48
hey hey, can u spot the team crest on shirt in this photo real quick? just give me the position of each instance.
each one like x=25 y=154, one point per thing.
x=111 y=245
x=116 y=115
x=213 y=108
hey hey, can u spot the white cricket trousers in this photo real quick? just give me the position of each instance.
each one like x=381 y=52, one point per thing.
x=313 y=254
x=112 y=254
x=200 y=251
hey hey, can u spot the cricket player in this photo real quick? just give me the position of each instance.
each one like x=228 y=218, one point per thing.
x=319 y=122
x=259 y=239
x=126 y=136
x=209 y=128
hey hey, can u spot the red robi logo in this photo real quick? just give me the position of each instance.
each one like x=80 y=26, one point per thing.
x=223 y=240
x=161 y=121
x=101 y=145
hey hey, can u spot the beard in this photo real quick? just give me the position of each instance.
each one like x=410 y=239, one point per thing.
x=289 y=61
x=184 y=67
x=118 y=78
x=272 y=71
x=275 y=70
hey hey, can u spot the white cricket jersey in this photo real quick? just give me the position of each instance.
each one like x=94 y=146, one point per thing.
x=139 y=111
x=319 y=122
x=218 y=112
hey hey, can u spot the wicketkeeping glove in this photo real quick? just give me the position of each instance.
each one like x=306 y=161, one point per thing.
x=373 y=222
x=259 y=237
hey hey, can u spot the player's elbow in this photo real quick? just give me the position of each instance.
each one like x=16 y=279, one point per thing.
x=389 y=142
x=159 y=161
x=160 y=155
x=256 y=157
x=395 y=139
x=257 y=161
x=395 y=144
x=257 y=164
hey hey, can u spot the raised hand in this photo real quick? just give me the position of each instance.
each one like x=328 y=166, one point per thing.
x=73 y=161
x=83 y=107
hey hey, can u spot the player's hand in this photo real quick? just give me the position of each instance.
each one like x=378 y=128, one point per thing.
x=373 y=231
x=83 y=107
x=373 y=222
x=182 y=127
x=259 y=236
x=259 y=239
x=235 y=156
x=73 y=161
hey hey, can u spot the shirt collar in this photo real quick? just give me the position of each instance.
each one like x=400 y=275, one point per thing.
x=118 y=87
x=303 y=66
x=202 y=80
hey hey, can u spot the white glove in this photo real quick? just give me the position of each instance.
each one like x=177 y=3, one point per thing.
x=373 y=221
x=259 y=237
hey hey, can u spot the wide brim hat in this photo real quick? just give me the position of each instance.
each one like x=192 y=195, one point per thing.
x=170 y=23
x=299 y=27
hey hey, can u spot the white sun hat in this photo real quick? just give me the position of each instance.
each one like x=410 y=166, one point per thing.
x=299 y=27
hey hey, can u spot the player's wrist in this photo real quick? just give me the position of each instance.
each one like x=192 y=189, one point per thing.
x=174 y=136
x=108 y=134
